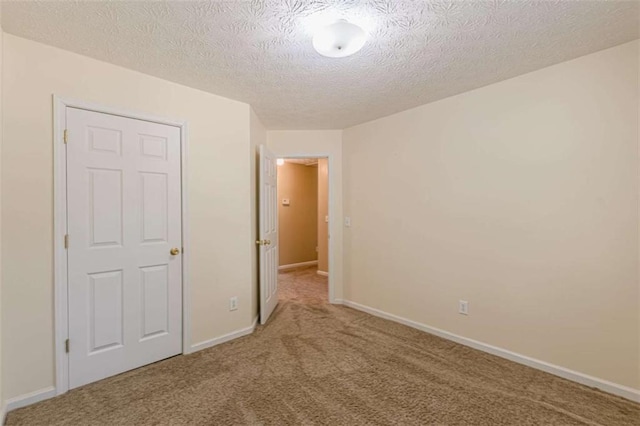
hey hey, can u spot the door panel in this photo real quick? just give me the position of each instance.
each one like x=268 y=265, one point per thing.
x=154 y=196
x=105 y=211
x=124 y=216
x=153 y=147
x=105 y=310
x=107 y=141
x=268 y=234
x=154 y=282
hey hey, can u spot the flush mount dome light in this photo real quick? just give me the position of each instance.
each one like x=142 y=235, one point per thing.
x=339 y=39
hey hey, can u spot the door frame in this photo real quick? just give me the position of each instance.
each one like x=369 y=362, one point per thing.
x=61 y=308
x=330 y=206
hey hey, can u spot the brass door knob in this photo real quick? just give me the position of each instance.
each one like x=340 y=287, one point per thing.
x=174 y=251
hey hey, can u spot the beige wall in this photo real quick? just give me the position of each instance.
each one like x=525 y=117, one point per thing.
x=521 y=198
x=258 y=136
x=320 y=143
x=218 y=183
x=297 y=222
x=323 y=212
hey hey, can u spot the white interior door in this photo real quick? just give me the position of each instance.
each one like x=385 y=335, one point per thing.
x=124 y=219
x=268 y=241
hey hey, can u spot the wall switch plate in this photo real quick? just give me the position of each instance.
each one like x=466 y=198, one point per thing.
x=347 y=221
x=233 y=303
x=326 y=219
x=463 y=307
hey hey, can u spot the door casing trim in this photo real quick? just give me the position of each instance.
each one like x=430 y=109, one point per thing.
x=61 y=313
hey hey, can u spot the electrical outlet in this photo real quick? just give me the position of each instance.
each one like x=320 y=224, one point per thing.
x=233 y=303
x=347 y=221
x=463 y=307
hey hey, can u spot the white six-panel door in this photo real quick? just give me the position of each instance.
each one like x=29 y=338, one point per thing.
x=268 y=227
x=124 y=218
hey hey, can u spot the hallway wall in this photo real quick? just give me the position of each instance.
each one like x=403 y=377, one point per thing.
x=323 y=214
x=298 y=221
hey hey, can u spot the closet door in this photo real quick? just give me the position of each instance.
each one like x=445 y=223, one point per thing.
x=124 y=246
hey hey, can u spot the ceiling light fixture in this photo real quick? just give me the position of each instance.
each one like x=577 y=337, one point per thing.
x=339 y=39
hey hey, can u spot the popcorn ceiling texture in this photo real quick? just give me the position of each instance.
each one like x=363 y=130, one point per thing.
x=260 y=52
x=303 y=161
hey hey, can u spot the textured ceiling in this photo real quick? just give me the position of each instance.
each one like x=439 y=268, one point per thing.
x=303 y=161
x=260 y=52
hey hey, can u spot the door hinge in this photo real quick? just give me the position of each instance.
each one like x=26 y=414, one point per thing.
x=66 y=346
x=66 y=241
x=65 y=135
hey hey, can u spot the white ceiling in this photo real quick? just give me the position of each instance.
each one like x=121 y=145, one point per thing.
x=303 y=161
x=260 y=52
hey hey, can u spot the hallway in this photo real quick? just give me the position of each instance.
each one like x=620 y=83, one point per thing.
x=303 y=285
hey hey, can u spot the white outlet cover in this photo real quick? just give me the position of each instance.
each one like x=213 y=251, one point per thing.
x=463 y=307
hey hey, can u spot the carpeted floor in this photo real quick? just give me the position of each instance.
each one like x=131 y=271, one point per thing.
x=315 y=363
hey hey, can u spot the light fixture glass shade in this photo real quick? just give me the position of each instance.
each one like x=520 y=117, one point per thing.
x=339 y=39
x=280 y=161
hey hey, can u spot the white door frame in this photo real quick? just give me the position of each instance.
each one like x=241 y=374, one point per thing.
x=61 y=313
x=332 y=271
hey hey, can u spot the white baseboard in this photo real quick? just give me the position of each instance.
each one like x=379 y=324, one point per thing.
x=297 y=265
x=3 y=413
x=50 y=392
x=225 y=338
x=29 y=398
x=323 y=273
x=604 y=385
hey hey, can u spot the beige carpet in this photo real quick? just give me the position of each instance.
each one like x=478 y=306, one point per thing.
x=314 y=363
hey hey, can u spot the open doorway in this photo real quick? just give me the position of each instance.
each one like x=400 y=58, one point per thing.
x=303 y=227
